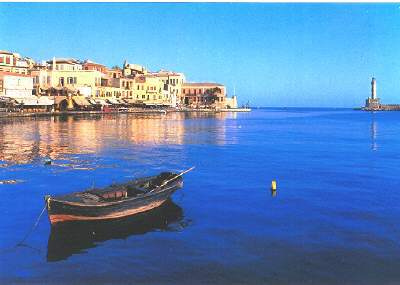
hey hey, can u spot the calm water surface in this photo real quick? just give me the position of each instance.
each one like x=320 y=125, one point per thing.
x=334 y=220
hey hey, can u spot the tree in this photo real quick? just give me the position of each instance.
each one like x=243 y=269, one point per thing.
x=212 y=95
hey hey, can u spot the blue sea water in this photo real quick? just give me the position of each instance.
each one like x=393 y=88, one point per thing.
x=333 y=220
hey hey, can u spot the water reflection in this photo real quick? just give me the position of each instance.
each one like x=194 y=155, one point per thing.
x=374 y=130
x=26 y=140
x=74 y=238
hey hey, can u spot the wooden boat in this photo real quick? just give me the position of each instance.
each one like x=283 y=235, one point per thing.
x=77 y=237
x=115 y=201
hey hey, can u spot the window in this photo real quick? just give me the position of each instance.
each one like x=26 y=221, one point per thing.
x=143 y=96
x=7 y=60
x=1 y=59
x=70 y=80
x=184 y=91
x=159 y=97
x=75 y=80
x=1 y=85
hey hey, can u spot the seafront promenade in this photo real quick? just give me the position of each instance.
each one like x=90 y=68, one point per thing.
x=130 y=111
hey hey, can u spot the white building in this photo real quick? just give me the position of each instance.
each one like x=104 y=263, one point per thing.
x=16 y=85
x=19 y=87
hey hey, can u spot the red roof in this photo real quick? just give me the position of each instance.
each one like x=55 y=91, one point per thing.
x=90 y=63
x=5 y=52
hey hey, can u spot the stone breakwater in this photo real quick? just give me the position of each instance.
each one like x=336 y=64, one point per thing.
x=383 y=107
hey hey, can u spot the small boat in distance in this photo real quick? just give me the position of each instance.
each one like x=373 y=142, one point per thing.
x=115 y=201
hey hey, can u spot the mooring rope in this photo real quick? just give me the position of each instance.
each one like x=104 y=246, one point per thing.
x=33 y=227
x=21 y=243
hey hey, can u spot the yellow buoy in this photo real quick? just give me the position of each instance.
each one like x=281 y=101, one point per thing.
x=273 y=185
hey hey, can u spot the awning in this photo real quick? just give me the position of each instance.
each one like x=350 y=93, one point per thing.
x=81 y=101
x=153 y=104
x=92 y=101
x=28 y=101
x=113 y=101
x=121 y=101
x=45 y=101
x=7 y=100
x=130 y=101
x=102 y=102
x=35 y=101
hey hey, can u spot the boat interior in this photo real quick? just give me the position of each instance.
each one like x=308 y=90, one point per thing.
x=127 y=190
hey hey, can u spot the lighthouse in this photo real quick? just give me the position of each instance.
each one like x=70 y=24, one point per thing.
x=373 y=88
x=372 y=103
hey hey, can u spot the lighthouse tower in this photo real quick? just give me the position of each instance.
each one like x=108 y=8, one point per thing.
x=373 y=88
x=373 y=103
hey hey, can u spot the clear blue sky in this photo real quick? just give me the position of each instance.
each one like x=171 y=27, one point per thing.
x=275 y=54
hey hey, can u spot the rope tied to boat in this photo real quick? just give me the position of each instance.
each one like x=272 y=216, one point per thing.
x=33 y=227
x=21 y=243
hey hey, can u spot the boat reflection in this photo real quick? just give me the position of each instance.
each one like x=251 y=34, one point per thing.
x=74 y=238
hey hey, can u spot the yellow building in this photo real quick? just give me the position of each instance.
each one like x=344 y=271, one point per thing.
x=173 y=85
x=130 y=69
x=149 y=90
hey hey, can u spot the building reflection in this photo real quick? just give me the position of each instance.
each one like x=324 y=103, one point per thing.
x=24 y=140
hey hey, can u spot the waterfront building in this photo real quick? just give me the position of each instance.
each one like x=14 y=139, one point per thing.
x=13 y=62
x=114 y=73
x=19 y=89
x=14 y=85
x=148 y=90
x=90 y=65
x=64 y=64
x=204 y=95
x=130 y=69
x=125 y=84
x=71 y=82
x=172 y=88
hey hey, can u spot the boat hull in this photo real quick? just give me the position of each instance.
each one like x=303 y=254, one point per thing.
x=60 y=211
